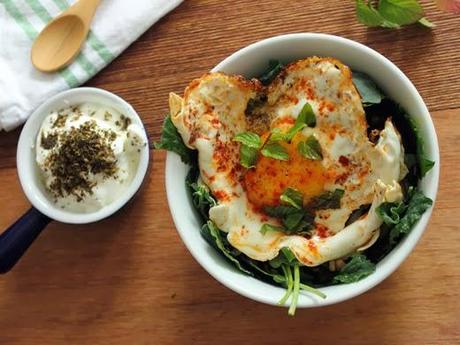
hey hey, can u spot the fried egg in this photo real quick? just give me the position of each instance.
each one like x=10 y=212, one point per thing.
x=215 y=108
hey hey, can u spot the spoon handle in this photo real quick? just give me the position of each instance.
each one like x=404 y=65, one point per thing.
x=19 y=236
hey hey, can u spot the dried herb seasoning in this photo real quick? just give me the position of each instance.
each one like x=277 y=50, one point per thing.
x=82 y=152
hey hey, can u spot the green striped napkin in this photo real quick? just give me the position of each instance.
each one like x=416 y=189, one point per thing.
x=116 y=25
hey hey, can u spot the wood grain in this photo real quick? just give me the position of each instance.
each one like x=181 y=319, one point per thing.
x=130 y=280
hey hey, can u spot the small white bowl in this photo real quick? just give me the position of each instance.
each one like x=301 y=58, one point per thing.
x=252 y=61
x=28 y=170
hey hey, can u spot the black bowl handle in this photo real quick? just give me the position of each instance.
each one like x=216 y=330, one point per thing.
x=19 y=236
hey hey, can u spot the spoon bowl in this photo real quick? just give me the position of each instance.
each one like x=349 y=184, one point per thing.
x=47 y=55
x=60 y=41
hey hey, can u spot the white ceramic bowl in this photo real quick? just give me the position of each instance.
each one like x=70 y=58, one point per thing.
x=252 y=61
x=28 y=170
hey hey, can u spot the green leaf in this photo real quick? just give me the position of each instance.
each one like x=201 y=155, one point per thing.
x=416 y=207
x=292 y=197
x=268 y=227
x=274 y=68
x=294 y=220
x=424 y=163
x=172 y=141
x=306 y=116
x=310 y=148
x=248 y=156
x=356 y=269
x=201 y=195
x=367 y=14
x=370 y=93
x=400 y=12
x=249 y=139
x=275 y=151
x=391 y=212
x=210 y=231
x=327 y=200
x=425 y=22
x=285 y=257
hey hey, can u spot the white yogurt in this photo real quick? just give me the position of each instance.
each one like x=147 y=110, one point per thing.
x=127 y=143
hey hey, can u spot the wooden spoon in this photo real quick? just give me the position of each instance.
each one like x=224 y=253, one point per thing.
x=61 y=40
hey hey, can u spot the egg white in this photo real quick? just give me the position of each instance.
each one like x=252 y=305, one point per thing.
x=212 y=112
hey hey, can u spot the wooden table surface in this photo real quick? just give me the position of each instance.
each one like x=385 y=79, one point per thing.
x=130 y=280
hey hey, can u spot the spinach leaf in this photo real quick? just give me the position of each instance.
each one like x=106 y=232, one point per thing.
x=292 y=197
x=327 y=200
x=275 y=151
x=285 y=257
x=370 y=93
x=391 y=212
x=417 y=205
x=201 y=195
x=356 y=269
x=274 y=68
x=172 y=141
x=310 y=148
x=213 y=235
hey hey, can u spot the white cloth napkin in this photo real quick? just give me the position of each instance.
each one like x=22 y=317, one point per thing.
x=116 y=25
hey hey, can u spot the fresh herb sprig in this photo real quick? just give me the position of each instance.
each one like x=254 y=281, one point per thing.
x=391 y=13
x=251 y=143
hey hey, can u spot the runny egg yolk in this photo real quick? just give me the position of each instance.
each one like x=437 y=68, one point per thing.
x=266 y=182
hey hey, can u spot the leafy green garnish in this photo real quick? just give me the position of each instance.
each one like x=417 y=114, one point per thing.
x=292 y=197
x=391 y=13
x=417 y=204
x=268 y=227
x=356 y=269
x=391 y=212
x=249 y=139
x=211 y=233
x=248 y=156
x=201 y=196
x=307 y=116
x=275 y=151
x=424 y=163
x=172 y=141
x=370 y=93
x=274 y=68
x=294 y=220
x=327 y=200
x=310 y=148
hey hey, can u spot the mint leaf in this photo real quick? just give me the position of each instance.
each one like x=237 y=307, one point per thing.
x=274 y=68
x=327 y=200
x=172 y=141
x=268 y=227
x=310 y=148
x=425 y=22
x=306 y=116
x=292 y=197
x=400 y=12
x=293 y=220
x=275 y=151
x=356 y=269
x=249 y=139
x=370 y=93
x=367 y=14
x=248 y=156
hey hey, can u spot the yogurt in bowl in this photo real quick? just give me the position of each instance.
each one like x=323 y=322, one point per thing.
x=87 y=155
x=82 y=155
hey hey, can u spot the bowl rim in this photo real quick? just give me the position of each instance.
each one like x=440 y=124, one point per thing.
x=387 y=265
x=26 y=152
